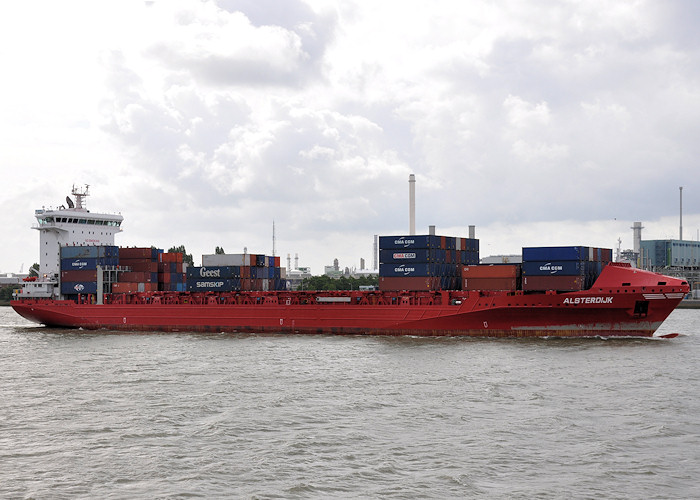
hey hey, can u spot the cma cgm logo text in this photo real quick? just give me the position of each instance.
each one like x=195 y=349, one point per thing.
x=404 y=242
x=404 y=270
x=209 y=273
x=552 y=269
x=588 y=300
x=404 y=255
x=79 y=263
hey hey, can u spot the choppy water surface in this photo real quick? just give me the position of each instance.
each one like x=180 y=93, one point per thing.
x=114 y=415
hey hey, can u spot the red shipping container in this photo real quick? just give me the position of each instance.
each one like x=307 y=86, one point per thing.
x=136 y=277
x=245 y=272
x=559 y=283
x=509 y=284
x=135 y=253
x=84 y=275
x=140 y=265
x=409 y=283
x=124 y=287
x=491 y=271
x=277 y=261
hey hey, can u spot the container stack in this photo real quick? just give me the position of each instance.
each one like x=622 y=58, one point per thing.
x=141 y=270
x=562 y=269
x=236 y=272
x=491 y=277
x=171 y=277
x=79 y=267
x=424 y=262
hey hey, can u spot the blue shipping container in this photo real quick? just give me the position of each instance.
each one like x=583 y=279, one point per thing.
x=555 y=268
x=396 y=255
x=415 y=241
x=540 y=254
x=213 y=272
x=78 y=287
x=213 y=285
x=85 y=252
x=416 y=269
x=81 y=264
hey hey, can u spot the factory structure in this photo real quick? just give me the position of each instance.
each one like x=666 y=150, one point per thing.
x=680 y=258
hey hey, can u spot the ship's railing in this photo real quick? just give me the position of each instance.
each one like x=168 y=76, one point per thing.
x=297 y=298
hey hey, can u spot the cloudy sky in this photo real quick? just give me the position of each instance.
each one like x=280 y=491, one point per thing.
x=540 y=122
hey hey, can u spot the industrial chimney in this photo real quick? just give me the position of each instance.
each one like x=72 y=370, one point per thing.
x=680 y=236
x=411 y=205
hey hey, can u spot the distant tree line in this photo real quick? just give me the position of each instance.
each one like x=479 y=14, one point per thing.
x=186 y=257
x=343 y=283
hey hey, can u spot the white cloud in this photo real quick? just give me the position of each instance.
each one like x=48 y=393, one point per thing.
x=202 y=122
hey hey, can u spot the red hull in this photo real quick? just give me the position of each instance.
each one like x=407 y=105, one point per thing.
x=622 y=302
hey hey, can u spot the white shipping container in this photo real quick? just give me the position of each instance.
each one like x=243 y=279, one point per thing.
x=226 y=259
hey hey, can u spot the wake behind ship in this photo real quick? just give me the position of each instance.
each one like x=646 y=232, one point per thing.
x=430 y=285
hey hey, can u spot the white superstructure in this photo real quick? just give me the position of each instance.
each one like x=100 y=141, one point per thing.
x=73 y=225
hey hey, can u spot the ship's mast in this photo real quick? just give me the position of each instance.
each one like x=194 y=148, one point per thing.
x=80 y=196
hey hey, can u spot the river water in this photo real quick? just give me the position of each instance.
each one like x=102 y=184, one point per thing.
x=115 y=415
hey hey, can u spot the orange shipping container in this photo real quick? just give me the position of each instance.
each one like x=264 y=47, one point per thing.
x=491 y=271
x=124 y=287
x=509 y=284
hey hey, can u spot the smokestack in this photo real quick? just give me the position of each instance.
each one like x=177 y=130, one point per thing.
x=472 y=232
x=296 y=261
x=680 y=237
x=637 y=236
x=411 y=205
x=376 y=252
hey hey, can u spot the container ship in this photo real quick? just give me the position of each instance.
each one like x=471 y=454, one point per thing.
x=429 y=285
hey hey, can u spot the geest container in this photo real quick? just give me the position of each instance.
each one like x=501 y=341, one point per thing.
x=213 y=272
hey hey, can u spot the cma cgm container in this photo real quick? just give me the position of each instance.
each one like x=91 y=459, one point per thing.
x=415 y=241
x=555 y=268
x=89 y=263
x=415 y=269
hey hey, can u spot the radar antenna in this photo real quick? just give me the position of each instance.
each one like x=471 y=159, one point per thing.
x=70 y=202
x=80 y=196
